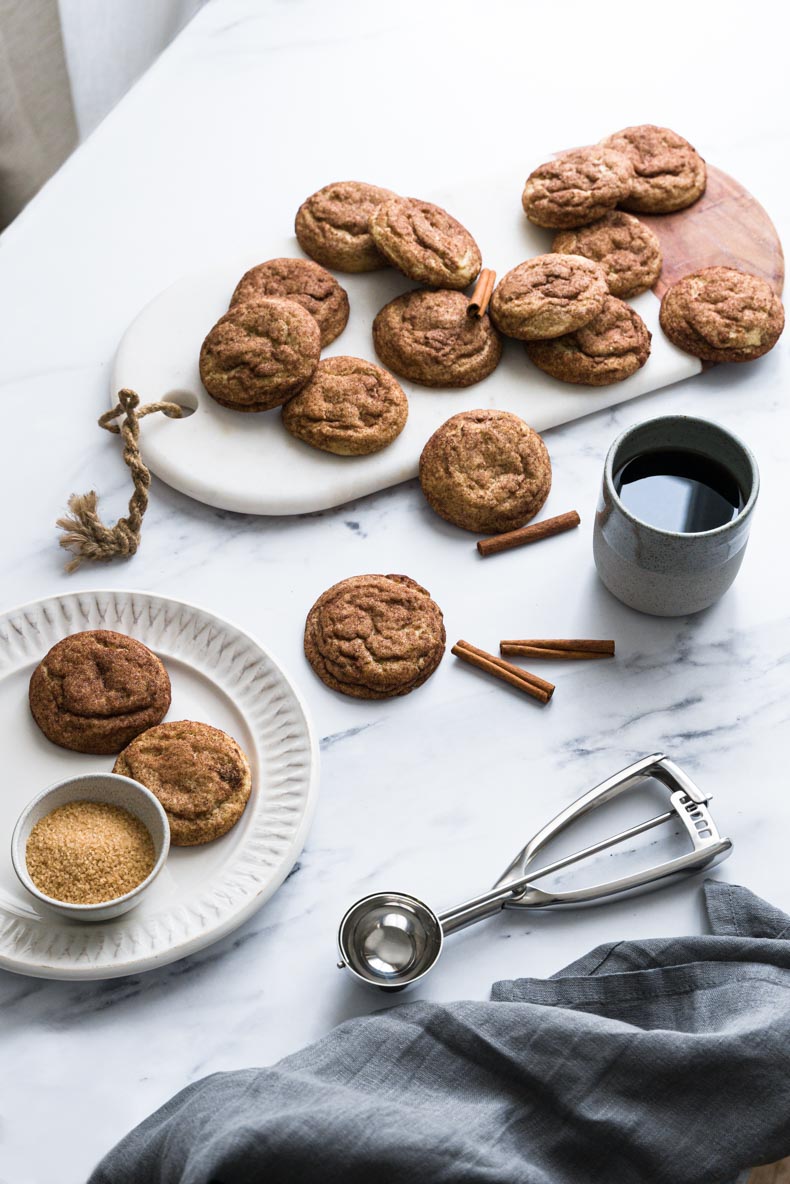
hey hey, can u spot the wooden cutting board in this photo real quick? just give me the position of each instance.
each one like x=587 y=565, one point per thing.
x=249 y=463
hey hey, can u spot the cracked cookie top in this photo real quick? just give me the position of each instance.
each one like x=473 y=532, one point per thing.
x=669 y=173
x=374 y=636
x=95 y=691
x=627 y=250
x=577 y=187
x=350 y=407
x=304 y=282
x=720 y=314
x=332 y=226
x=548 y=296
x=425 y=243
x=259 y=354
x=610 y=347
x=429 y=338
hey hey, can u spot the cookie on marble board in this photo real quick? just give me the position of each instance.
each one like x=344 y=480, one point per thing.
x=577 y=187
x=547 y=296
x=200 y=775
x=485 y=471
x=333 y=226
x=669 y=173
x=350 y=407
x=306 y=283
x=426 y=243
x=720 y=314
x=428 y=337
x=626 y=249
x=259 y=354
x=374 y=636
x=611 y=347
x=96 y=690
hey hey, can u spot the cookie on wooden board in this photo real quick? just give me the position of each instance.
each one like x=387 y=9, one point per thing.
x=199 y=774
x=374 y=636
x=577 y=187
x=611 y=347
x=259 y=354
x=486 y=471
x=350 y=407
x=333 y=226
x=669 y=174
x=626 y=249
x=547 y=296
x=306 y=283
x=426 y=243
x=720 y=314
x=429 y=338
x=95 y=691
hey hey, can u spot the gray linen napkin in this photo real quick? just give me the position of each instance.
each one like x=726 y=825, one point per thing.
x=646 y=1062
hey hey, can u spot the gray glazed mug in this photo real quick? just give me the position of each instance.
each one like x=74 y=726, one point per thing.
x=664 y=572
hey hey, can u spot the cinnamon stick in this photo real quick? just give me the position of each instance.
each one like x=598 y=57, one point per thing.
x=478 y=302
x=532 y=651
x=528 y=534
x=514 y=676
x=586 y=646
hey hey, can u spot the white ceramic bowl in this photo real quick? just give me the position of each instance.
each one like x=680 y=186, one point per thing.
x=93 y=787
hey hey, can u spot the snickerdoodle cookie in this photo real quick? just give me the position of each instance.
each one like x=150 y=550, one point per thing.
x=577 y=187
x=304 y=282
x=626 y=249
x=485 y=471
x=96 y=691
x=611 y=347
x=374 y=636
x=548 y=296
x=350 y=407
x=669 y=173
x=425 y=243
x=199 y=774
x=259 y=354
x=332 y=226
x=722 y=315
x=430 y=338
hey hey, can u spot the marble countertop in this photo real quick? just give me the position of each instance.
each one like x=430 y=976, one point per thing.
x=253 y=107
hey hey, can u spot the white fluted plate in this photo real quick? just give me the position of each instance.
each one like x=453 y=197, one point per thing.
x=220 y=676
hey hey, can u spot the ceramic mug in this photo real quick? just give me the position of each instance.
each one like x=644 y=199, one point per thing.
x=664 y=572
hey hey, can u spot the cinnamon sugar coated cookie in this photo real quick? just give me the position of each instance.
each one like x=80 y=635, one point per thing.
x=199 y=774
x=304 y=282
x=350 y=407
x=332 y=226
x=95 y=691
x=611 y=347
x=259 y=354
x=548 y=296
x=669 y=174
x=720 y=314
x=429 y=338
x=426 y=243
x=577 y=187
x=627 y=250
x=374 y=636
x=485 y=471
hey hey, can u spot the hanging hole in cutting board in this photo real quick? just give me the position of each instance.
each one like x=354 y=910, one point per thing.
x=186 y=400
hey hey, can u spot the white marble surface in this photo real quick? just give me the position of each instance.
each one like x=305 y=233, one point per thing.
x=253 y=107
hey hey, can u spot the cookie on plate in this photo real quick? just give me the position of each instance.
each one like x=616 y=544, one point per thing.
x=429 y=338
x=95 y=691
x=426 y=243
x=720 y=314
x=485 y=471
x=259 y=354
x=548 y=296
x=611 y=347
x=304 y=282
x=577 y=187
x=669 y=174
x=332 y=226
x=374 y=636
x=350 y=407
x=199 y=774
x=626 y=249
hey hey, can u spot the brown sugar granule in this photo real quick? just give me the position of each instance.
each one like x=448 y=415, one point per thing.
x=89 y=852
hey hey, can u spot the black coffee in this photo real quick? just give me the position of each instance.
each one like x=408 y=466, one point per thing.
x=677 y=489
